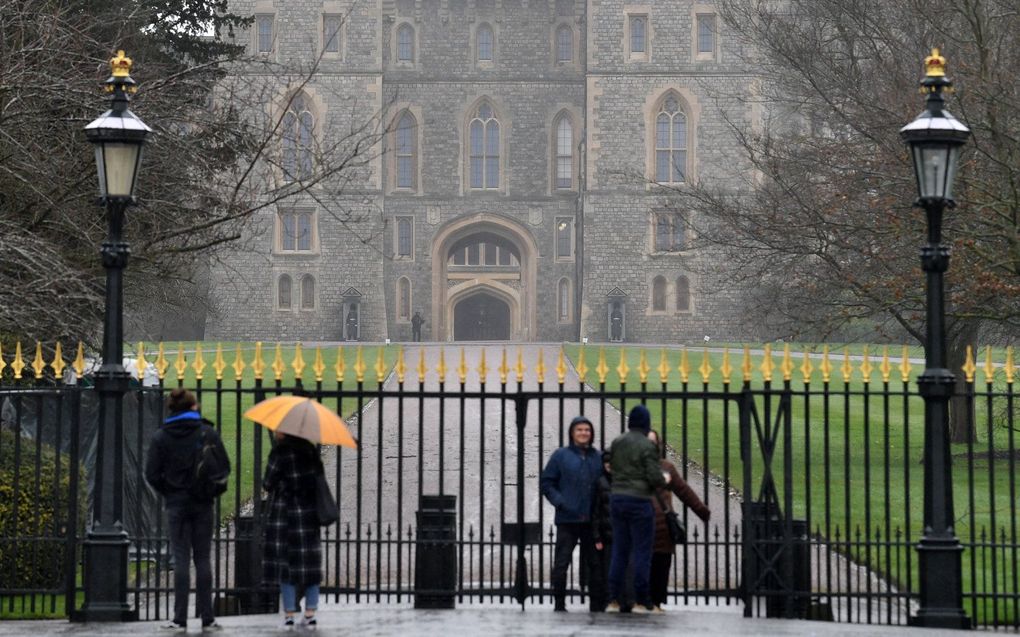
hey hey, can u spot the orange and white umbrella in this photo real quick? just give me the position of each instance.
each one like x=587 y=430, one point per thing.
x=302 y=417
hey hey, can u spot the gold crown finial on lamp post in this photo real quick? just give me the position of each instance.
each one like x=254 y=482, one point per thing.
x=935 y=64
x=120 y=66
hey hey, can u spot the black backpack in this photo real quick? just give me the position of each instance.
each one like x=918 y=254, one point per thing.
x=210 y=470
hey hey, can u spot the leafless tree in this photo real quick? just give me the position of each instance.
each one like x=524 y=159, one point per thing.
x=822 y=231
x=212 y=163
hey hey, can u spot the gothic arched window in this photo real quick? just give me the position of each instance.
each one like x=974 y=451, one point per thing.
x=403 y=299
x=407 y=151
x=298 y=126
x=564 y=44
x=486 y=43
x=563 y=300
x=670 y=143
x=405 y=43
x=484 y=151
x=683 y=294
x=564 y=153
x=283 y=292
x=659 y=294
x=308 y=292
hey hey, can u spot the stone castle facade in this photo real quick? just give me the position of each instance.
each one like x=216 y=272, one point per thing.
x=523 y=191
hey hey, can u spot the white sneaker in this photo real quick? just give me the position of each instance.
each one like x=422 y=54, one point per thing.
x=172 y=627
x=288 y=623
x=641 y=609
x=309 y=623
x=613 y=607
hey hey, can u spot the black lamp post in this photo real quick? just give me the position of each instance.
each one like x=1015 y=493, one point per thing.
x=118 y=137
x=935 y=140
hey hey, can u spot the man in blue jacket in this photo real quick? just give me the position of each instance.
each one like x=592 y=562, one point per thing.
x=568 y=482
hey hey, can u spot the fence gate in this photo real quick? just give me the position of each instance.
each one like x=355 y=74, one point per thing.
x=814 y=488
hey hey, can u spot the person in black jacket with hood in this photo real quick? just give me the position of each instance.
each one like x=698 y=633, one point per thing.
x=568 y=483
x=169 y=468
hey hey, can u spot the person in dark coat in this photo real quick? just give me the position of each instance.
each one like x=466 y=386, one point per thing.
x=293 y=545
x=636 y=475
x=170 y=469
x=568 y=483
x=663 y=548
x=602 y=532
x=416 y=322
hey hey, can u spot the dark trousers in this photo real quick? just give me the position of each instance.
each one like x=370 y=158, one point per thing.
x=191 y=528
x=567 y=537
x=659 y=580
x=633 y=531
x=600 y=569
x=416 y=334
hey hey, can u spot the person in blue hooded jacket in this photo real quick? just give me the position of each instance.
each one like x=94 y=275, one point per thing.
x=568 y=483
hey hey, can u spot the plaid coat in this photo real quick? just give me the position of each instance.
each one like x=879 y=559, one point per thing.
x=293 y=547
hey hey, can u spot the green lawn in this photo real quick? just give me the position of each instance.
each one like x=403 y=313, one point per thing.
x=842 y=485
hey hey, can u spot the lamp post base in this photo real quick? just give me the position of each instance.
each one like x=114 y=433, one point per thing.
x=939 y=570
x=952 y=618
x=106 y=569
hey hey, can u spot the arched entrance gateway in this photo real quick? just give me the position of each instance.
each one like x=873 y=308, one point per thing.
x=483 y=280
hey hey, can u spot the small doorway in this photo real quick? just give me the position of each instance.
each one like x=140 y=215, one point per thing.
x=481 y=317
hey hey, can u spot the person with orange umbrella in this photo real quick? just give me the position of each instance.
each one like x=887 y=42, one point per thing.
x=294 y=474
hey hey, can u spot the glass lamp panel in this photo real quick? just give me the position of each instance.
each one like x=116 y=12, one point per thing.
x=954 y=158
x=119 y=163
x=101 y=170
x=932 y=164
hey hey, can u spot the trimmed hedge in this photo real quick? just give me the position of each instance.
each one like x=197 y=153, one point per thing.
x=32 y=544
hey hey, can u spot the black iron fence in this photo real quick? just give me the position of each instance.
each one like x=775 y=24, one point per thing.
x=811 y=467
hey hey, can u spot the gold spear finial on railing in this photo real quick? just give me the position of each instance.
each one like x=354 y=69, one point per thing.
x=483 y=369
x=622 y=370
x=602 y=369
x=643 y=367
x=866 y=368
x=18 y=364
x=989 y=368
x=79 y=361
x=968 y=366
x=340 y=368
x=218 y=363
x=581 y=368
x=141 y=362
x=1008 y=367
x=905 y=366
x=239 y=364
x=745 y=365
x=298 y=364
x=462 y=367
x=180 y=363
x=705 y=369
x=520 y=366
x=540 y=367
x=806 y=368
x=359 y=365
x=561 y=367
x=826 y=366
x=319 y=366
x=380 y=365
x=422 y=369
x=162 y=364
x=767 y=366
x=3 y=364
x=727 y=369
x=38 y=365
x=846 y=368
x=685 y=367
x=257 y=365
x=441 y=367
x=401 y=367
x=199 y=363
x=787 y=365
x=503 y=369
x=886 y=366
x=663 y=367
x=58 y=364
x=278 y=364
